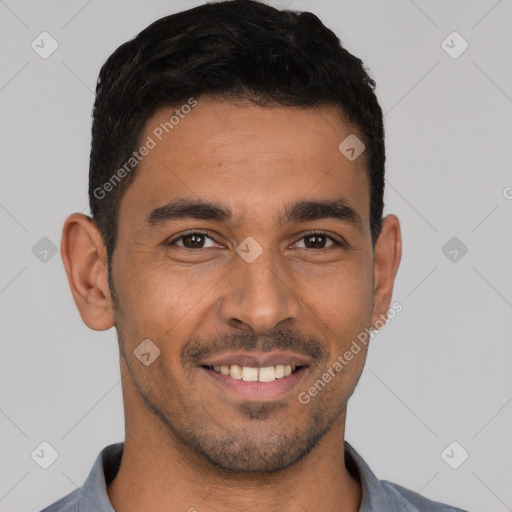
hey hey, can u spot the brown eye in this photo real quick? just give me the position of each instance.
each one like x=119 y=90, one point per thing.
x=317 y=241
x=193 y=240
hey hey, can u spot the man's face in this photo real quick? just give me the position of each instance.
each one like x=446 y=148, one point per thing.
x=300 y=302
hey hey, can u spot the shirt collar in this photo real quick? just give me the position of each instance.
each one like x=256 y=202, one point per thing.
x=104 y=470
x=375 y=496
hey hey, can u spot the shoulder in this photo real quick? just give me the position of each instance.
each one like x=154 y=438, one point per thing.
x=411 y=501
x=383 y=495
x=68 y=503
x=92 y=495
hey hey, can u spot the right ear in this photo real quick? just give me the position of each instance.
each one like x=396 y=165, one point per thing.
x=85 y=260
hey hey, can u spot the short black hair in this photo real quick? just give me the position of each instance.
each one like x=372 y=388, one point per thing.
x=238 y=49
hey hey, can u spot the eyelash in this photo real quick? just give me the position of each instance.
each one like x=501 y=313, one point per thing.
x=210 y=236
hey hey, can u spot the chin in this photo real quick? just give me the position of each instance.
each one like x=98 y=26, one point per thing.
x=257 y=450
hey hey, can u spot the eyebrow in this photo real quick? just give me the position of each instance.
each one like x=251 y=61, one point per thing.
x=299 y=211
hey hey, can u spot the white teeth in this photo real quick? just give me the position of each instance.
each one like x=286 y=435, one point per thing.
x=267 y=374
x=251 y=374
x=235 y=372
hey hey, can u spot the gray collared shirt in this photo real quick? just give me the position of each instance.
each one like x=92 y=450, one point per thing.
x=378 y=495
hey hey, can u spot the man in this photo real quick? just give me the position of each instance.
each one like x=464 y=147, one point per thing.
x=237 y=245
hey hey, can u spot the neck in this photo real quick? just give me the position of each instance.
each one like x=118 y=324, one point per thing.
x=157 y=472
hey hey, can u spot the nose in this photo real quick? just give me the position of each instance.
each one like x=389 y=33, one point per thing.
x=259 y=295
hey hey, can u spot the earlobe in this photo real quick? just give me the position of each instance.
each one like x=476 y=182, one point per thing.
x=388 y=252
x=84 y=257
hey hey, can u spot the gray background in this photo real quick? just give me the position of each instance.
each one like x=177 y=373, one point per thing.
x=439 y=372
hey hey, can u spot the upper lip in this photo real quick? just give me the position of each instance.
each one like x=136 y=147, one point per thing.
x=256 y=359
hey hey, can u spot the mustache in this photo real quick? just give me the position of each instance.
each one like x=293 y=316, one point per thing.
x=280 y=339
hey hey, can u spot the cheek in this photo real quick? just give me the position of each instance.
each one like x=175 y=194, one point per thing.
x=151 y=300
x=345 y=310
x=342 y=297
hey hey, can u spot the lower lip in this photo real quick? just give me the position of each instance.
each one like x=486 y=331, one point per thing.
x=258 y=390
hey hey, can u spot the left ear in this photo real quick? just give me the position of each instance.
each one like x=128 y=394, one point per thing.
x=84 y=257
x=388 y=252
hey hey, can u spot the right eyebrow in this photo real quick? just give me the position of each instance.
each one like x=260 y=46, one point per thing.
x=187 y=208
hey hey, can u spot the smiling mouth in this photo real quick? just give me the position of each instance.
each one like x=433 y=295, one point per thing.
x=255 y=374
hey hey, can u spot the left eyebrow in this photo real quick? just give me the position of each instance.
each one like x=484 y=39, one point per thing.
x=300 y=211
x=338 y=209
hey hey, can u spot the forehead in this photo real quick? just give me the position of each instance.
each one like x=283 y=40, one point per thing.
x=247 y=156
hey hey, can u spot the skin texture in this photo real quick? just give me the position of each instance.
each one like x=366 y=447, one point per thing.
x=189 y=443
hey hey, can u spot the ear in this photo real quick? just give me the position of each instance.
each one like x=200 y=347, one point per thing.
x=387 y=255
x=85 y=260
